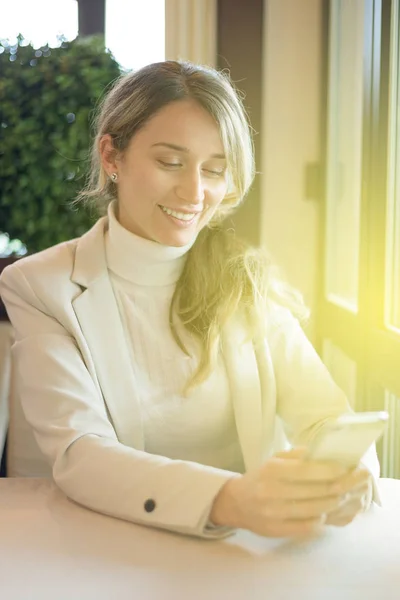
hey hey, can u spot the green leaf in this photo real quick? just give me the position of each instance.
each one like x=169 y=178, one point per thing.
x=43 y=157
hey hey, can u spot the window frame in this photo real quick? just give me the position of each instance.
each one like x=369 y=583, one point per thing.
x=363 y=336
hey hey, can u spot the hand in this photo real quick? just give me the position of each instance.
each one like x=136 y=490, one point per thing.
x=285 y=497
x=359 y=498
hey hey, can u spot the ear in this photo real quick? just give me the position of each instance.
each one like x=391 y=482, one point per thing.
x=108 y=154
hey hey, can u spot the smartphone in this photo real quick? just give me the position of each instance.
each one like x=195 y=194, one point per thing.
x=348 y=438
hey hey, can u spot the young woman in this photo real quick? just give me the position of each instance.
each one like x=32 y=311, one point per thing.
x=157 y=354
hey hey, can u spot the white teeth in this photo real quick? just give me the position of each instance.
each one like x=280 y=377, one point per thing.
x=178 y=215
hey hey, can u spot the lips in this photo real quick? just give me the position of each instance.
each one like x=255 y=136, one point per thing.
x=181 y=210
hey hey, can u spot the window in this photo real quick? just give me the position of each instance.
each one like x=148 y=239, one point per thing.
x=390 y=444
x=40 y=22
x=358 y=326
x=392 y=312
x=344 y=153
x=135 y=31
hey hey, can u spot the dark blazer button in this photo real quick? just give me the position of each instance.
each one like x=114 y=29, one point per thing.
x=149 y=505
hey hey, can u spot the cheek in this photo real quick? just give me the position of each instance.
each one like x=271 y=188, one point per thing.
x=218 y=193
x=215 y=198
x=145 y=182
x=155 y=181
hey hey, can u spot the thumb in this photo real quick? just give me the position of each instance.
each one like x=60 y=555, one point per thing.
x=297 y=452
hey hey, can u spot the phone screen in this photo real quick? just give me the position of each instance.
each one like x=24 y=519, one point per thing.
x=345 y=443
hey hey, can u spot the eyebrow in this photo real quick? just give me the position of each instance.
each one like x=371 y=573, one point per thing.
x=183 y=149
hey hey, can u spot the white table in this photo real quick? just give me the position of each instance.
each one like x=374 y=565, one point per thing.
x=53 y=549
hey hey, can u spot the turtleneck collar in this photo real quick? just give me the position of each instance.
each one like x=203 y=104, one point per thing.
x=139 y=260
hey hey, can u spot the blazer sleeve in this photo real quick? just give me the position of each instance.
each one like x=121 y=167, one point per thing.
x=307 y=396
x=69 y=418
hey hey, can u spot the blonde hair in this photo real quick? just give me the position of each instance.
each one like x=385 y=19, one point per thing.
x=222 y=275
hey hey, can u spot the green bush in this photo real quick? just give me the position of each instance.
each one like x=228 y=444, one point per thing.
x=47 y=98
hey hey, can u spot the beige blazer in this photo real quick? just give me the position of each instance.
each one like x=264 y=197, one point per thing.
x=77 y=390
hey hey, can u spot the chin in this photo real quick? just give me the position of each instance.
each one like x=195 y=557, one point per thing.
x=178 y=240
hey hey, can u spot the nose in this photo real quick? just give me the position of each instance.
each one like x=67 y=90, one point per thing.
x=191 y=188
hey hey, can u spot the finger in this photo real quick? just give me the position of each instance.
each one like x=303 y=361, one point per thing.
x=359 y=491
x=353 y=480
x=347 y=514
x=355 y=500
x=297 y=470
x=299 y=490
x=355 y=492
x=352 y=506
x=340 y=521
x=302 y=509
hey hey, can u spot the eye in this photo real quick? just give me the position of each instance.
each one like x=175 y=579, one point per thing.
x=166 y=164
x=210 y=172
x=219 y=173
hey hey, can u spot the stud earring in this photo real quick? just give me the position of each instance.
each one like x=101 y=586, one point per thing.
x=114 y=177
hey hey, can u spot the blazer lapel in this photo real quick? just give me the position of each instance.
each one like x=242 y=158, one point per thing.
x=97 y=312
x=242 y=369
x=271 y=429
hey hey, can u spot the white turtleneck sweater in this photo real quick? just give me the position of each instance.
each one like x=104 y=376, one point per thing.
x=201 y=427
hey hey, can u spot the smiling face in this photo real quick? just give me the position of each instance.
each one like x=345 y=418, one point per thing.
x=172 y=176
